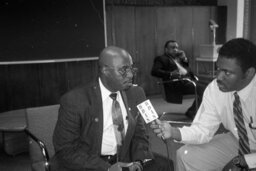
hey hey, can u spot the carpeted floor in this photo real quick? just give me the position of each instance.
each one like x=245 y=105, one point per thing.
x=21 y=162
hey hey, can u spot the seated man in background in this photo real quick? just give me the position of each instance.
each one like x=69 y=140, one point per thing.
x=173 y=64
x=99 y=127
x=229 y=99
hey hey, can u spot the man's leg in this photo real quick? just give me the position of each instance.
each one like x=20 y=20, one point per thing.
x=190 y=89
x=160 y=163
x=212 y=156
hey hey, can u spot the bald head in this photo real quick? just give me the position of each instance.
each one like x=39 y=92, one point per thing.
x=112 y=55
x=115 y=68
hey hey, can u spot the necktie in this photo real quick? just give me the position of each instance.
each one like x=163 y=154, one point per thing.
x=239 y=121
x=117 y=122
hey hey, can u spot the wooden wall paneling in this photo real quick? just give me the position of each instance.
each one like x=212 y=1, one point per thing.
x=162 y=2
x=201 y=30
x=22 y=86
x=124 y=24
x=252 y=29
x=110 y=24
x=81 y=73
x=219 y=14
x=52 y=82
x=145 y=19
x=165 y=27
x=130 y=27
x=184 y=30
x=110 y=20
x=3 y=88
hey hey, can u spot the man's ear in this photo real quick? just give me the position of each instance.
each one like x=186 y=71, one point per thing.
x=104 y=70
x=250 y=72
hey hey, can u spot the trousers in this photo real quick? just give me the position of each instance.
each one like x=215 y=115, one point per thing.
x=212 y=156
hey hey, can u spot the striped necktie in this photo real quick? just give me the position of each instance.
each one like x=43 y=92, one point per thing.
x=239 y=121
x=118 y=123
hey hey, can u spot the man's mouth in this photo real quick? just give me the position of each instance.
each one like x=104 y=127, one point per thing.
x=221 y=86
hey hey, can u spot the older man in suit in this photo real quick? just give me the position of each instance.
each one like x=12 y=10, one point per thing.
x=86 y=136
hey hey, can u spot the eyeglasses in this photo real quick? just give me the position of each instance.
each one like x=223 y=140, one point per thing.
x=125 y=69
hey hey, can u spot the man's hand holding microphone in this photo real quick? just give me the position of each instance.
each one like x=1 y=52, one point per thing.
x=161 y=128
x=164 y=130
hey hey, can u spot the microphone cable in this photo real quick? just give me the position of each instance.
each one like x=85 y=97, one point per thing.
x=166 y=145
x=168 y=155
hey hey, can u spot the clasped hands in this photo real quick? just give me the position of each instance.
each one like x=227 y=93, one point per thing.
x=161 y=128
x=133 y=166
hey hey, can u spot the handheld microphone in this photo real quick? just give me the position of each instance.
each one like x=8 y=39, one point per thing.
x=148 y=112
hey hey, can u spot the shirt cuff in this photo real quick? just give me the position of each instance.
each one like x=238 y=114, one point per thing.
x=250 y=160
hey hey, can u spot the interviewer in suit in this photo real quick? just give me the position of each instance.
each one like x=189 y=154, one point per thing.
x=84 y=137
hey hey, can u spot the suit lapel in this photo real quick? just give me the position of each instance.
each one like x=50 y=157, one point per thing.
x=131 y=125
x=97 y=114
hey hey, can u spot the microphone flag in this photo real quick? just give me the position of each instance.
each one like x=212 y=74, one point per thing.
x=147 y=111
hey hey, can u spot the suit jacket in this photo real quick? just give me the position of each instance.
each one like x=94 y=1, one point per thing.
x=162 y=67
x=78 y=133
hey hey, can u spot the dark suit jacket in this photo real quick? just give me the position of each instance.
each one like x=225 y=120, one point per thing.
x=78 y=134
x=162 y=67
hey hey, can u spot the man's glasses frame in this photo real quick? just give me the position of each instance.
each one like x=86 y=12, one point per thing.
x=123 y=71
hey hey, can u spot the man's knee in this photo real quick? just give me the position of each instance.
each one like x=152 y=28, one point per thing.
x=160 y=163
x=180 y=153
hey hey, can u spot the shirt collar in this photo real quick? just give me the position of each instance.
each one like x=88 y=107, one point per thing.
x=105 y=92
x=246 y=92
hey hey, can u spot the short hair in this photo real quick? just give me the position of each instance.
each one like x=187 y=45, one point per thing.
x=169 y=41
x=242 y=50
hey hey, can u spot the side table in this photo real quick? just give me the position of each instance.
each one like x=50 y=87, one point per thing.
x=12 y=126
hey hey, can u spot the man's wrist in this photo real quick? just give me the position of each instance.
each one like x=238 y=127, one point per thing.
x=243 y=162
x=239 y=161
x=175 y=133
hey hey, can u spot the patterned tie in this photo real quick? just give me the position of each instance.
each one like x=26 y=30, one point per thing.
x=239 y=120
x=118 y=123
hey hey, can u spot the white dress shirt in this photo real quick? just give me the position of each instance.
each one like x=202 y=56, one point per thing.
x=216 y=108
x=109 y=146
x=182 y=70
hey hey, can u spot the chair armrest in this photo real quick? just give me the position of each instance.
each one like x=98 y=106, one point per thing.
x=180 y=79
x=43 y=149
x=188 y=123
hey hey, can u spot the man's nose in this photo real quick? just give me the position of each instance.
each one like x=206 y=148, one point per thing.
x=129 y=73
x=219 y=75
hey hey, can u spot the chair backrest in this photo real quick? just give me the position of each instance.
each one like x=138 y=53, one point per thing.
x=41 y=122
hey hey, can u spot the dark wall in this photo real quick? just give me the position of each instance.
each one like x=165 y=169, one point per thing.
x=50 y=29
x=47 y=29
x=31 y=85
